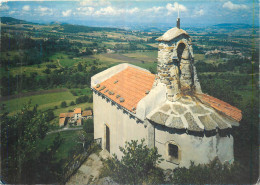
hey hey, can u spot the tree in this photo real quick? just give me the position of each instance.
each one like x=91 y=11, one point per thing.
x=19 y=136
x=82 y=139
x=137 y=165
x=50 y=115
x=80 y=68
x=72 y=103
x=213 y=173
x=47 y=71
x=88 y=126
x=63 y=104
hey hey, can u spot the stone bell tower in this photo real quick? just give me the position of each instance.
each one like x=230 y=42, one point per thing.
x=175 y=64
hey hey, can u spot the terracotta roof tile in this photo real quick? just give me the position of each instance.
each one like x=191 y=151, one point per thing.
x=77 y=110
x=70 y=114
x=222 y=106
x=131 y=85
x=87 y=113
x=63 y=115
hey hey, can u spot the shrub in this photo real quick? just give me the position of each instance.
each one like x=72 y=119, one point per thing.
x=63 y=104
x=88 y=126
x=212 y=173
x=137 y=166
x=49 y=115
x=72 y=103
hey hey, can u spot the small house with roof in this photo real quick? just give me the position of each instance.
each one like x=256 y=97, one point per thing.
x=74 y=117
x=87 y=114
x=77 y=113
x=169 y=109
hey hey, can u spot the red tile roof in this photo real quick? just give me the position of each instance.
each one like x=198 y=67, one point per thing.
x=70 y=114
x=87 y=113
x=129 y=86
x=77 y=110
x=222 y=106
x=63 y=115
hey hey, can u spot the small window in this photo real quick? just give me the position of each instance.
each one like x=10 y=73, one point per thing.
x=173 y=151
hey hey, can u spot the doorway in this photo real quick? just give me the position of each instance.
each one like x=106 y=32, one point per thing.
x=107 y=139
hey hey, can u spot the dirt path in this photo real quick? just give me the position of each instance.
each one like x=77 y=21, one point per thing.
x=59 y=63
x=64 y=129
x=20 y=95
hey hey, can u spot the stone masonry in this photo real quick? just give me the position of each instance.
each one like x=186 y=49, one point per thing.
x=175 y=64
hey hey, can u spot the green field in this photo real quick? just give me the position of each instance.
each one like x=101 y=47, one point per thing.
x=68 y=144
x=44 y=101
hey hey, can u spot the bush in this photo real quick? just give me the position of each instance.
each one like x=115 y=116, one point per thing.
x=137 y=166
x=63 y=104
x=212 y=173
x=88 y=126
x=82 y=99
x=72 y=103
x=49 y=115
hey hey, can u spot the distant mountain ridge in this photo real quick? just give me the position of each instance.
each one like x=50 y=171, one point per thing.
x=232 y=26
x=69 y=28
x=10 y=20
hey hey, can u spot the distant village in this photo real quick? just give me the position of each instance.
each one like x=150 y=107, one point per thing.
x=76 y=117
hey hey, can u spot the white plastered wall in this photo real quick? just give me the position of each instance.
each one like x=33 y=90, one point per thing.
x=122 y=127
x=201 y=150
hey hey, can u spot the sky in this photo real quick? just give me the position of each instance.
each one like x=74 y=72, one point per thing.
x=134 y=12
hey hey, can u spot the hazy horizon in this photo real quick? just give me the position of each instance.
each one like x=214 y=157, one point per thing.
x=135 y=13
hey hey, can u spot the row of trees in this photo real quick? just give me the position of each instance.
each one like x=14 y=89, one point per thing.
x=63 y=77
x=243 y=66
x=79 y=100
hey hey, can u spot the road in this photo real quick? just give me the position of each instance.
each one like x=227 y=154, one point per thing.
x=64 y=129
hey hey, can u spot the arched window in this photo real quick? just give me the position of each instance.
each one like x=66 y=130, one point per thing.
x=180 y=50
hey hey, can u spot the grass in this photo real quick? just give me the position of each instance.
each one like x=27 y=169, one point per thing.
x=147 y=56
x=68 y=144
x=44 y=101
x=66 y=109
x=80 y=92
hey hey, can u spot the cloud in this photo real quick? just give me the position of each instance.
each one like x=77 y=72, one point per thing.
x=111 y=11
x=229 y=5
x=12 y=12
x=198 y=12
x=94 y=3
x=4 y=7
x=26 y=8
x=154 y=9
x=44 y=10
x=85 y=10
x=66 y=13
x=174 y=8
x=132 y=11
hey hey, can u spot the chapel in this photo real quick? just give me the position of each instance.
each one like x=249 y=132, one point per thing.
x=168 y=109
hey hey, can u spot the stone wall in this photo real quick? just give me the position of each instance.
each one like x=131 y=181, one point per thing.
x=176 y=69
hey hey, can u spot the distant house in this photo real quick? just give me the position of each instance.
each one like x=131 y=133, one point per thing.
x=87 y=114
x=79 y=122
x=74 y=117
x=62 y=122
x=77 y=113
